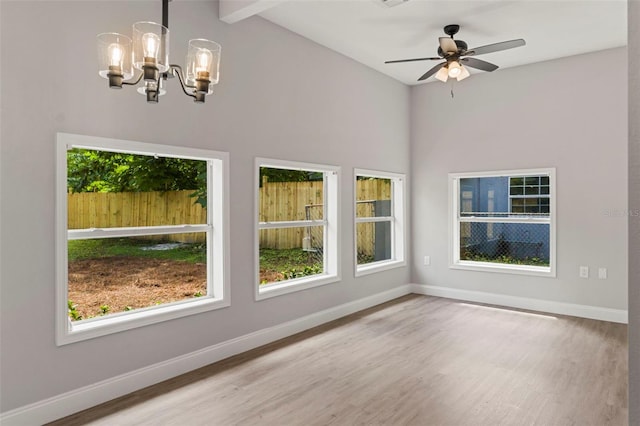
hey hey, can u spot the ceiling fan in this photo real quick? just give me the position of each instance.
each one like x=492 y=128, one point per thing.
x=455 y=53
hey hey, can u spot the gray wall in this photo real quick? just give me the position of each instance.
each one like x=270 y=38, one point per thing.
x=280 y=96
x=562 y=114
x=634 y=205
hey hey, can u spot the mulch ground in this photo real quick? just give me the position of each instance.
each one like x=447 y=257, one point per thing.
x=124 y=283
x=132 y=282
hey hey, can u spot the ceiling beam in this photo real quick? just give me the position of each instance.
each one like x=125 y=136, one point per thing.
x=232 y=11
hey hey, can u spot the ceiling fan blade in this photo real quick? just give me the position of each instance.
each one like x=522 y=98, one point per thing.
x=495 y=47
x=412 y=60
x=479 y=64
x=447 y=44
x=432 y=71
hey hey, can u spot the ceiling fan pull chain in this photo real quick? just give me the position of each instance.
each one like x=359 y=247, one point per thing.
x=451 y=89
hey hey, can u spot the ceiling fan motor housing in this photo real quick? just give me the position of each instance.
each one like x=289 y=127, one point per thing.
x=462 y=47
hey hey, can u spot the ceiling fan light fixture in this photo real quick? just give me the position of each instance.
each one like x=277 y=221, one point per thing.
x=443 y=74
x=454 y=69
x=464 y=73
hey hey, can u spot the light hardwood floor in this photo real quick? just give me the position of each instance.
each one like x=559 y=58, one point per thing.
x=417 y=360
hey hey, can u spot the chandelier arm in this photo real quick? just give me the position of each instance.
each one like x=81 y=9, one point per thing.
x=133 y=83
x=178 y=71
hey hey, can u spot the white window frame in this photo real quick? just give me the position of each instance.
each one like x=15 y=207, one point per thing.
x=330 y=221
x=455 y=220
x=397 y=219
x=218 y=294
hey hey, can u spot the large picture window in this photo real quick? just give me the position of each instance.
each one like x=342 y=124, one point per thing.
x=297 y=226
x=379 y=221
x=140 y=234
x=504 y=221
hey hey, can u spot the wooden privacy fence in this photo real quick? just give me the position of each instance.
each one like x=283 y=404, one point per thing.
x=278 y=201
x=127 y=209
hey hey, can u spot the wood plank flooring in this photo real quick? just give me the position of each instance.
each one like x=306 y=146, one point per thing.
x=417 y=360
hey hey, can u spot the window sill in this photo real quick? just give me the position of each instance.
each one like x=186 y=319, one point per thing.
x=538 y=271
x=101 y=326
x=266 y=291
x=375 y=267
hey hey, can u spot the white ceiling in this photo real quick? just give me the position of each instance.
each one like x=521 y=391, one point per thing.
x=370 y=32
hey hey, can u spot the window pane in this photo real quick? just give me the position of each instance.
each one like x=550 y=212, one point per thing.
x=532 y=180
x=374 y=242
x=288 y=253
x=544 y=190
x=517 y=181
x=516 y=190
x=373 y=197
x=113 y=190
x=544 y=180
x=287 y=195
x=531 y=190
x=111 y=275
x=508 y=243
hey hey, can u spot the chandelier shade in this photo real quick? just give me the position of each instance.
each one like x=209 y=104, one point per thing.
x=114 y=55
x=203 y=65
x=150 y=46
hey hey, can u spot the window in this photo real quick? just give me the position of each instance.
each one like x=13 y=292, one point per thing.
x=504 y=221
x=297 y=233
x=141 y=234
x=379 y=221
x=529 y=194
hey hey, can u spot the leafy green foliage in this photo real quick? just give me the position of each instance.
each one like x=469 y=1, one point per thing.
x=286 y=175
x=478 y=257
x=73 y=311
x=305 y=271
x=102 y=171
x=289 y=263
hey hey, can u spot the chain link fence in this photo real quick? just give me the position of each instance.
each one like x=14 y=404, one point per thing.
x=511 y=243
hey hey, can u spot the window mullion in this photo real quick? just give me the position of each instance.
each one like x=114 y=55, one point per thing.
x=291 y=224
x=374 y=219
x=83 y=234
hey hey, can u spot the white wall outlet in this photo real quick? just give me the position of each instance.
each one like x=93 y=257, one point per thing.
x=602 y=273
x=584 y=272
x=427 y=260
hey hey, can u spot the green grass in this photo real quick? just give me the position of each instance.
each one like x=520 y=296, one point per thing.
x=284 y=260
x=112 y=247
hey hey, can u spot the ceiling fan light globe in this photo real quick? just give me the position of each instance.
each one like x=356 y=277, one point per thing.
x=443 y=74
x=454 y=69
x=464 y=73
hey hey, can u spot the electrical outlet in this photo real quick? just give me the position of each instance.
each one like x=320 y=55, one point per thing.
x=584 y=272
x=427 y=260
x=602 y=273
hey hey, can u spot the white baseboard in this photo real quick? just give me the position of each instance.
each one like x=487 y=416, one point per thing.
x=549 y=306
x=80 y=399
x=86 y=397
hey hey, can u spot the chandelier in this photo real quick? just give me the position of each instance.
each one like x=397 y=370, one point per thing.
x=120 y=58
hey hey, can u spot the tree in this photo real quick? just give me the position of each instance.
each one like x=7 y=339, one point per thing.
x=286 y=175
x=102 y=171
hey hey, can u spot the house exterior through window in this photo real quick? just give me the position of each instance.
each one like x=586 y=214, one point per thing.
x=504 y=221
